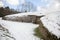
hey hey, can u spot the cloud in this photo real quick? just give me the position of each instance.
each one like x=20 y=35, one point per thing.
x=44 y=0
x=1 y=4
x=13 y=2
x=22 y=1
x=53 y=5
x=41 y=9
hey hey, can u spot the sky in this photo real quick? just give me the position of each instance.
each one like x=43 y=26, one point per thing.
x=41 y=4
x=1 y=4
x=17 y=2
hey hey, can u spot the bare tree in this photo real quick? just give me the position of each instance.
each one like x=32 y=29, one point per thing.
x=27 y=7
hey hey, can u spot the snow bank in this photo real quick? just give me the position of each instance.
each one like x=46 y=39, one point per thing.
x=19 y=30
x=28 y=13
x=52 y=22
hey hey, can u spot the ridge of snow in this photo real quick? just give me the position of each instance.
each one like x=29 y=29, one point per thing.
x=52 y=22
x=28 y=13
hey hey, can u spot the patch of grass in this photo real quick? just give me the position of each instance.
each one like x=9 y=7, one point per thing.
x=40 y=35
x=37 y=33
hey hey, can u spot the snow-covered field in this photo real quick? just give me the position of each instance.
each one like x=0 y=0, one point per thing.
x=19 y=30
x=24 y=31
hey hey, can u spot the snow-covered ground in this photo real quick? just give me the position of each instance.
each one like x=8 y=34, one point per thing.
x=52 y=22
x=24 y=31
x=19 y=30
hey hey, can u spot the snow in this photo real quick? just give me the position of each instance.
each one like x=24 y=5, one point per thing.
x=19 y=30
x=24 y=31
x=0 y=18
x=52 y=22
x=28 y=13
